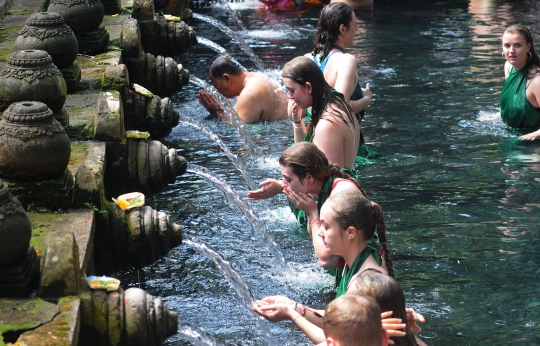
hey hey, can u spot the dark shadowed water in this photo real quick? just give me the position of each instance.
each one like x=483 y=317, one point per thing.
x=461 y=197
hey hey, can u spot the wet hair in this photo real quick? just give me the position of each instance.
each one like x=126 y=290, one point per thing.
x=389 y=295
x=534 y=61
x=224 y=64
x=330 y=19
x=304 y=157
x=352 y=208
x=354 y=321
x=302 y=70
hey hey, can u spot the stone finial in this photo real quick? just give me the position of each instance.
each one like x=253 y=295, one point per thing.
x=47 y=31
x=30 y=75
x=33 y=146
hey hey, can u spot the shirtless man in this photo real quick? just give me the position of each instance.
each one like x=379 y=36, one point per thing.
x=259 y=97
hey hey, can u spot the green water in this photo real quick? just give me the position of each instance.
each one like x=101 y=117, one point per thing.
x=460 y=194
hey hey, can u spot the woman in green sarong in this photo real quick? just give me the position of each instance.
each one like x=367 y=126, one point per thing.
x=333 y=128
x=520 y=96
x=347 y=222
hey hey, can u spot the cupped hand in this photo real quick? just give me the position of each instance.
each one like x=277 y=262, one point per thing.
x=269 y=188
x=208 y=102
x=275 y=309
x=412 y=318
x=302 y=201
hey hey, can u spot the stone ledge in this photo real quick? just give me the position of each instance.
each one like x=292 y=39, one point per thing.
x=78 y=221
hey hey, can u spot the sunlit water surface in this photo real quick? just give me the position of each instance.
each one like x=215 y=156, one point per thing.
x=460 y=195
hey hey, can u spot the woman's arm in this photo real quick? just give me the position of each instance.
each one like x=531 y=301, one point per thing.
x=364 y=102
x=533 y=95
x=279 y=308
x=269 y=188
x=346 y=78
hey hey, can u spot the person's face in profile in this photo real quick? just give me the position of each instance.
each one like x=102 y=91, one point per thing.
x=222 y=84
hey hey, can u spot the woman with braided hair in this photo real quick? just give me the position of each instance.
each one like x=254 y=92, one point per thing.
x=346 y=224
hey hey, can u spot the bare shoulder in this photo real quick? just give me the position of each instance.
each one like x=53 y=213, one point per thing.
x=344 y=58
x=259 y=82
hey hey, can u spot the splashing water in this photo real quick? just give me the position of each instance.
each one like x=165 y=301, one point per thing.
x=243 y=45
x=234 y=159
x=230 y=113
x=258 y=230
x=233 y=14
x=195 y=334
x=216 y=47
x=234 y=279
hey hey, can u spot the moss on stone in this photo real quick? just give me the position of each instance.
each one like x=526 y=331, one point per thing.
x=41 y=224
x=78 y=154
x=22 y=13
x=24 y=314
x=116 y=42
x=112 y=83
x=7 y=41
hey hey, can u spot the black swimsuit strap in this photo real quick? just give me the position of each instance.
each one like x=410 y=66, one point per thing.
x=341 y=49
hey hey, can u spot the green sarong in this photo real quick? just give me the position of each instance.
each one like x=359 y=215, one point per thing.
x=516 y=110
x=348 y=272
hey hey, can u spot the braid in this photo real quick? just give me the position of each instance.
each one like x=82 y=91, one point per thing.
x=381 y=231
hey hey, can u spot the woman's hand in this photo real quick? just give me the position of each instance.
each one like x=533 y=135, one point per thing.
x=294 y=111
x=412 y=318
x=530 y=136
x=393 y=326
x=367 y=94
x=301 y=200
x=269 y=188
x=275 y=308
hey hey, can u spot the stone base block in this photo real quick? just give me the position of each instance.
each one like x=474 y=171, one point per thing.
x=20 y=279
x=62 y=330
x=93 y=41
x=49 y=194
x=72 y=76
